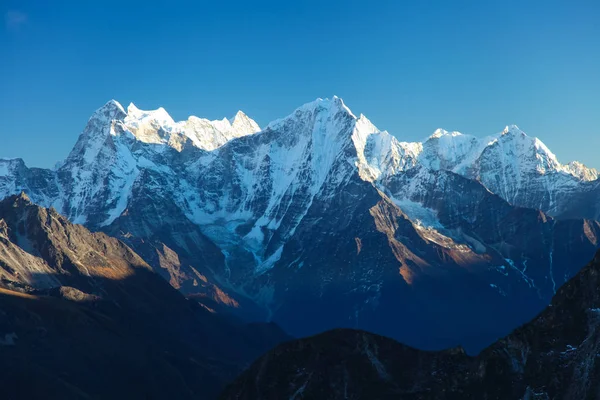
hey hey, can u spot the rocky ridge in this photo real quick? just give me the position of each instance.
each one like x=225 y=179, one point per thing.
x=83 y=316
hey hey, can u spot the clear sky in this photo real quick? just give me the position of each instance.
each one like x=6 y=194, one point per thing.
x=410 y=66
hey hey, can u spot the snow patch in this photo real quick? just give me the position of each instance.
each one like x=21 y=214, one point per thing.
x=269 y=262
x=419 y=214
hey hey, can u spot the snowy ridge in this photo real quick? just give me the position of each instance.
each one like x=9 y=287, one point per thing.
x=108 y=157
x=158 y=127
x=519 y=168
x=462 y=154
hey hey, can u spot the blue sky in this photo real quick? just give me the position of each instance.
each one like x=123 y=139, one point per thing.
x=411 y=67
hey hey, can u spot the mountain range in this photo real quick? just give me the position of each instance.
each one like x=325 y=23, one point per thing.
x=321 y=220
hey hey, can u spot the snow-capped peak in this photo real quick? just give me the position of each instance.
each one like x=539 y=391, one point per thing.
x=154 y=126
x=340 y=103
x=8 y=166
x=158 y=127
x=132 y=110
x=332 y=106
x=112 y=105
x=512 y=129
x=579 y=170
x=108 y=112
x=438 y=133
x=243 y=124
x=99 y=127
x=210 y=135
x=160 y=116
x=528 y=151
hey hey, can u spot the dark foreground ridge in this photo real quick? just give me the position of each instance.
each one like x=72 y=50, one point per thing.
x=82 y=316
x=552 y=357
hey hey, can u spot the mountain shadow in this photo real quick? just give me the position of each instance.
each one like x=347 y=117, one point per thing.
x=552 y=357
x=83 y=316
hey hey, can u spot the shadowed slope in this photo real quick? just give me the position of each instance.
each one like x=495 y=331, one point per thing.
x=552 y=357
x=83 y=316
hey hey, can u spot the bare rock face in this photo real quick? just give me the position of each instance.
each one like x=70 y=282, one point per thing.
x=83 y=316
x=552 y=357
x=74 y=294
